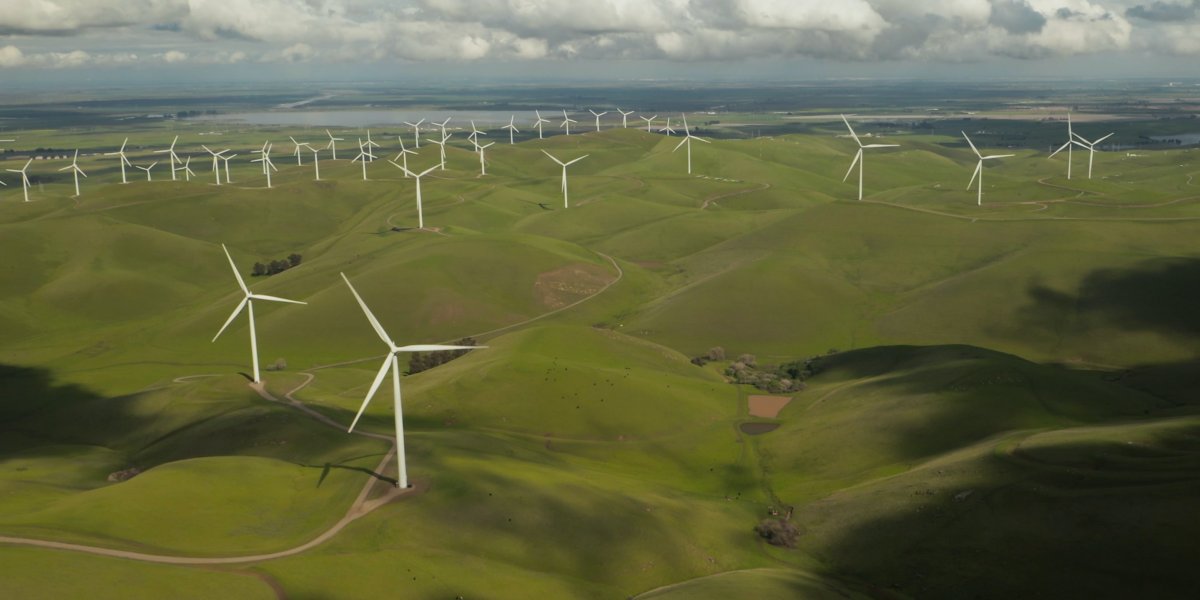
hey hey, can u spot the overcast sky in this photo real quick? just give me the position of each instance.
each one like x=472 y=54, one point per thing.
x=107 y=40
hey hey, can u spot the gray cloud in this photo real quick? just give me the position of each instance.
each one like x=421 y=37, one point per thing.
x=1016 y=16
x=1165 y=11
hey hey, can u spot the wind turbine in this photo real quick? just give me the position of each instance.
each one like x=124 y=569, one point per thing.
x=1068 y=146
x=482 y=164
x=215 y=157
x=24 y=178
x=248 y=303
x=170 y=152
x=474 y=136
x=564 y=173
x=364 y=156
x=226 y=160
x=441 y=148
x=538 y=122
x=74 y=166
x=667 y=130
x=511 y=128
x=392 y=363
x=648 y=122
x=265 y=159
x=369 y=144
x=624 y=118
x=316 y=161
x=296 y=151
x=979 y=166
x=403 y=155
x=416 y=133
x=332 y=145
x=858 y=158
x=418 y=176
x=687 y=139
x=567 y=122
x=1091 y=146
x=597 y=115
x=186 y=168
x=147 y=170
x=123 y=159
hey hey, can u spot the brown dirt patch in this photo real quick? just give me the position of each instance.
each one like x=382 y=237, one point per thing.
x=561 y=287
x=758 y=428
x=768 y=407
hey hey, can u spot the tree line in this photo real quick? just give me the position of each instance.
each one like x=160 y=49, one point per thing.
x=424 y=361
x=276 y=266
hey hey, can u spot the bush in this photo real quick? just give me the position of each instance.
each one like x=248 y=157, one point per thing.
x=716 y=353
x=778 y=532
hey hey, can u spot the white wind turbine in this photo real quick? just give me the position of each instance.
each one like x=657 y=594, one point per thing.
x=187 y=169
x=416 y=133
x=979 y=167
x=1091 y=146
x=74 y=166
x=1071 y=141
x=124 y=161
x=418 y=176
x=474 y=136
x=316 y=161
x=371 y=144
x=667 y=130
x=296 y=151
x=687 y=139
x=248 y=303
x=482 y=162
x=265 y=159
x=24 y=177
x=648 y=121
x=441 y=148
x=364 y=156
x=225 y=159
x=538 y=122
x=597 y=115
x=567 y=122
x=216 y=156
x=170 y=152
x=858 y=158
x=392 y=363
x=442 y=125
x=147 y=170
x=564 y=173
x=403 y=156
x=331 y=146
x=512 y=128
x=624 y=118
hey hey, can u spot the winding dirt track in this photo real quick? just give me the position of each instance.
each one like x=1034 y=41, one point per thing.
x=362 y=504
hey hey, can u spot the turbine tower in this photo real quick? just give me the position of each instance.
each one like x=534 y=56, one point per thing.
x=564 y=173
x=392 y=363
x=597 y=115
x=124 y=161
x=248 y=303
x=417 y=176
x=316 y=161
x=1071 y=141
x=538 y=122
x=979 y=167
x=74 y=166
x=567 y=122
x=416 y=133
x=170 y=152
x=624 y=118
x=482 y=163
x=858 y=158
x=331 y=146
x=687 y=139
x=24 y=177
x=512 y=128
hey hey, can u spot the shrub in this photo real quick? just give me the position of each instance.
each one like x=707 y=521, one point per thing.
x=778 y=532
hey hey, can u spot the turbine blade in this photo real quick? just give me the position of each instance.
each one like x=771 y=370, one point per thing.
x=387 y=362
x=997 y=156
x=576 y=160
x=973 y=148
x=681 y=143
x=1103 y=138
x=233 y=316
x=552 y=158
x=882 y=146
x=434 y=348
x=978 y=168
x=241 y=284
x=852 y=134
x=1060 y=149
x=370 y=317
x=857 y=157
x=275 y=299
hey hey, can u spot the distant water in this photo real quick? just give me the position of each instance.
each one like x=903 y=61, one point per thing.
x=1186 y=139
x=367 y=118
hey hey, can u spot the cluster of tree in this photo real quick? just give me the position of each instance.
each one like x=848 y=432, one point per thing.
x=424 y=361
x=275 y=266
x=778 y=532
x=784 y=378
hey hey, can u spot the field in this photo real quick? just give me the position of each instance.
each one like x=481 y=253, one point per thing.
x=1001 y=399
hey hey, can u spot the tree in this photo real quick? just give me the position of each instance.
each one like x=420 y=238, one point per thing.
x=258 y=270
x=716 y=353
x=294 y=259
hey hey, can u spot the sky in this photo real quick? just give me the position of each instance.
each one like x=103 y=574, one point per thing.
x=278 y=40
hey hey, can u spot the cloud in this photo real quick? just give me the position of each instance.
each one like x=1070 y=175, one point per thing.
x=224 y=31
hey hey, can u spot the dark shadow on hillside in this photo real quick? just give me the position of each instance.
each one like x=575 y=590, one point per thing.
x=1156 y=295
x=329 y=466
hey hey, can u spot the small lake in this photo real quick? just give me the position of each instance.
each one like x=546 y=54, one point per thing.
x=1185 y=139
x=371 y=118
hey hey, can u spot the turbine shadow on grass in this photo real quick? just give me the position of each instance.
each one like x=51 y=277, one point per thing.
x=329 y=466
